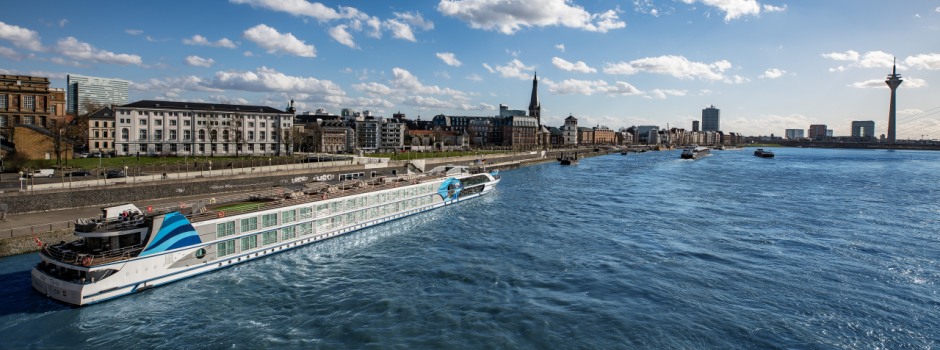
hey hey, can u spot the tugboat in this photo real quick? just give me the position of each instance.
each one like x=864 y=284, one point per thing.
x=760 y=152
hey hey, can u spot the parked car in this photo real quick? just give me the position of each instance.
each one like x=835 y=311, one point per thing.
x=81 y=155
x=42 y=173
x=111 y=174
x=79 y=172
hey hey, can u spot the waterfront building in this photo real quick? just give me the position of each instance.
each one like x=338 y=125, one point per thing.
x=367 y=134
x=557 y=137
x=794 y=134
x=101 y=124
x=604 y=136
x=863 y=130
x=695 y=125
x=188 y=128
x=504 y=111
x=334 y=136
x=893 y=81
x=644 y=131
x=26 y=100
x=585 y=136
x=34 y=142
x=380 y=135
x=711 y=119
x=521 y=132
x=624 y=137
x=570 y=131
x=817 y=132
x=86 y=91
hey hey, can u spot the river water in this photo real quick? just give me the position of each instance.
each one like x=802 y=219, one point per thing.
x=822 y=249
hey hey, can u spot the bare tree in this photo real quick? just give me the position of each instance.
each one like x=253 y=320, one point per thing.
x=60 y=144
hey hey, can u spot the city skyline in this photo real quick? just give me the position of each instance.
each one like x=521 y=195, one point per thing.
x=768 y=65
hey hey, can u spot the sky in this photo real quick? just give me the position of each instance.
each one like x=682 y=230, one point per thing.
x=768 y=65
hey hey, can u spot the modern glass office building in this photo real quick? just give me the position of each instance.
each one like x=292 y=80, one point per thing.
x=102 y=92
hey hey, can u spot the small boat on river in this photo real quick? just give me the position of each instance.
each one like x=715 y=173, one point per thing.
x=695 y=152
x=760 y=152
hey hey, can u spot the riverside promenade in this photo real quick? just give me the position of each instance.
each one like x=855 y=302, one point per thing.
x=48 y=211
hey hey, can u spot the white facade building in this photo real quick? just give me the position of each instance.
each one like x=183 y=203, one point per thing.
x=188 y=128
x=569 y=131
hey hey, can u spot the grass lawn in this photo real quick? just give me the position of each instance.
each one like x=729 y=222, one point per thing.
x=240 y=207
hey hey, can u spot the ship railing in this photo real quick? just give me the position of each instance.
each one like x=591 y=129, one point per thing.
x=76 y=254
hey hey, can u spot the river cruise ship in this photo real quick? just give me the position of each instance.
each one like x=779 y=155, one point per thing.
x=128 y=250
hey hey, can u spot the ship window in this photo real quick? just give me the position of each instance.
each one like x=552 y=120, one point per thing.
x=270 y=220
x=288 y=232
x=306 y=213
x=225 y=229
x=270 y=237
x=249 y=224
x=306 y=228
x=250 y=242
x=201 y=253
x=226 y=248
x=287 y=216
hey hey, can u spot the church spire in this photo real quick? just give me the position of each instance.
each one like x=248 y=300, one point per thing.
x=534 y=102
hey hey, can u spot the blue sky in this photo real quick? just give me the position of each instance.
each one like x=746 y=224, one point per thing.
x=768 y=65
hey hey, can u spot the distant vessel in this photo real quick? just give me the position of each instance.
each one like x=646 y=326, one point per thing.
x=568 y=160
x=695 y=152
x=760 y=152
x=127 y=250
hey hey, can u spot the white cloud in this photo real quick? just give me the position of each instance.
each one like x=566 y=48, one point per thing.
x=849 y=55
x=910 y=83
x=74 y=49
x=21 y=37
x=736 y=79
x=248 y=54
x=772 y=8
x=509 y=16
x=876 y=59
x=449 y=58
x=9 y=53
x=474 y=77
x=772 y=73
x=837 y=69
x=400 y=30
x=590 y=87
x=197 y=61
x=133 y=31
x=63 y=22
x=407 y=82
x=911 y=111
x=173 y=86
x=275 y=42
x=676 y=66
x=265 y=79
x=296 y=7
x=513 y=69
x=930 y=61
x=662 y=94
x=373 y=88
x=199 y=40
x=560 y=47
x=937 y=9
x=341 y=35
x=579 y=66
x=415 y=19
x=732 y=8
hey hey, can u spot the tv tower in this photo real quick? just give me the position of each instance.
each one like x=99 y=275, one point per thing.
x=893 y=81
